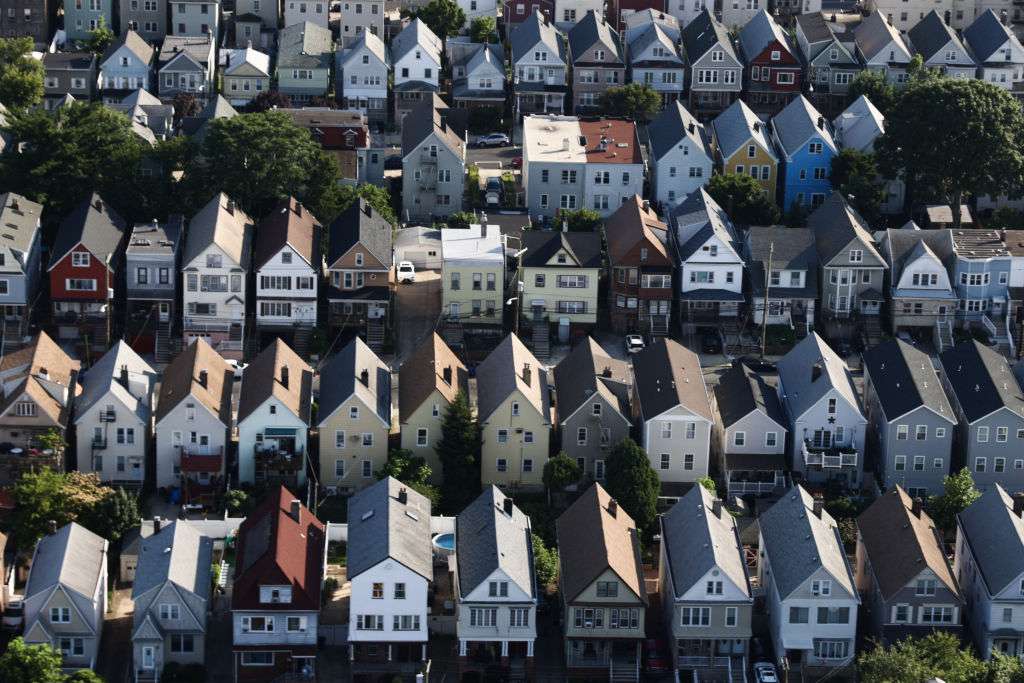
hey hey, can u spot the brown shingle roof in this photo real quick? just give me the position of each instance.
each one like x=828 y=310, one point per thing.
x=266 y=377
x=292 y=224
x=423 y=372
x=622 y=145
x=182 y=378
x=41 y=358
x=632 y=223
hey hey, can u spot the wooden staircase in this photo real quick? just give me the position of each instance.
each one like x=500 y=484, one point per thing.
x=871 y=328
x=164 y=348
x=453 y=334
x=300 y=340
x=541 y=339
x=943 y=335
x=375 y=334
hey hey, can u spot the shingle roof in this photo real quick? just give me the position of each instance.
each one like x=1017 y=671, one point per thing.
x=809 y=371
x=932 y=34
x=94 y=224
x=74 y=557
x=982 y=380
x=105 y=377
x=668 y=374
x=289 y=224
x=635 y=22
x=584 y=248
x=875 y=33
x=632 y=223
x=372 y=42
x=251 y=56
x=360 y=224
x=653 y=33
x=424 y=372
x=759 y=32
x=305 y=46
x=135 y=43
x=177 y=553
x=416 y=34
x=489 y=539
x=797 y=123
x=265 y=379
x=588 y=369
x=431 y=116
x=904 y=380
x=19 y=223
x=381 y=526
x=182 y=379
x=532 y=30
x=223 y=223
x=674 y=125
x=995 y=535
x=502 y=372
x=986 y=34
x=72 y=61
x=791 y=249
x=740 y=391
x=588 y=32
x=26 y=369
x=835 y=224
x=859 y=125
x=903 y=246
x=703 y=33
x=734 y=128
x=342 y=376
x=700 y=208
x=196 y=47
x=814 y=27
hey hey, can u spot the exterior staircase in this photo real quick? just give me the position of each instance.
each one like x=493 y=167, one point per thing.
x=623 y=671
x=659 y=326
x=871 y=328
x=453 y=334
x=541 y=338
x=943 y=335
x=300 y=340
x=375 y=334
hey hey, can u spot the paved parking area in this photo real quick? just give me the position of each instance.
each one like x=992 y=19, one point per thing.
x=419 y=305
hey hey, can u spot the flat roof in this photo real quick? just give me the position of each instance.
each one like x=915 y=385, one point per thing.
x=611 y=141
x=550 y=138
x=476 y=243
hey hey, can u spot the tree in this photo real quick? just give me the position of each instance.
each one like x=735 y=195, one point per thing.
x=270 y=99
x=443 y=17
x=1005 y=218
x=744 y=199
x=855 y=174
x=47 y=497
x=21 y=77
x=460 y=220
x=458 y=450
x=953 y=138
x=873 y=85
x=579 y=220
x=633 y=483
x=708 y=483
x=236 y=501
x=634 y=101
x=913 y=660
x=378 y=198
x=115 y=515
x=482 y=29
x=559 y=472
x=958 y=492
x=100 y=38
x=23 y=663
x=185 y=104
x=545 y=562
x=411 y=470
x=796 y=216
x=84 y=676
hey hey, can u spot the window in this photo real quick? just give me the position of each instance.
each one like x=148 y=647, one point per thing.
x=367 y=439
x=918 y=463
x=581 y=436
x=170 y=611
x=832 y=406
x=353 y=412
x=695 y=616
x=739 y=439
x=999 y=464
x=377 y=591
x=421 y=436
x=902 y=614
x=406 y=622
x=367 y=469
x=497 y=589
x=502 y=465
x=921 y=433
x=664 y=461
x=1002 y=433
x=940 y=433
x=483 y=616
x=182 y=643
x=771 y=439
x=25 y=409
x=983 y=434
x=901 y=432
x=833 y=615
x=80 y=285
x=925 y=587
x=519 y=617
x=368 y=622
x=831 y=649
x=502 y=436
x=688 y=461
x=666 y=430
x=691 y=430
x=731 y=616
x=816 y=148
x=72 y=647
x=339 y=468
x=80 y=259
x=60 y=615
x=901 y=463
x=823 y=587
x=295 y=624
x=979 y=464
x=257 y=659
x=713 y=588
x=257 y=624
x=799 y=615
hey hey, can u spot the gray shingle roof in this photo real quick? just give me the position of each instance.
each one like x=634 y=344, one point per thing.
x=196 y=47
x=416 y=34
x=177 y=553
x=986 y=34
x=653 y=33
x=932 y=34
x=94 y=224
x=341 y=377
x=372 y=42
x=802 y=386
x=761 y=30
x=590 y=31
x=859 y=125
x=542 y=245
x=875 y=33
x=698 y=208
x=135 y=43
x=996 y=538
x=902 y=247
x=305 y=46
x=674 y=125
x=431 y=115
x=588 y=369
x=502 y=372
x=380 y=526
x=668 y=374
x=791 y=249
x=798 y=122
x=105 y=376
x=741 y=391
x=835 y=224
x=981 y=379
x=73 y=557
x=360 y=224
x=814 y=27
x=488 y=540
x=532 y=30
x=223 y=223
x=703 y=33
x=735 y=126
x=904 y=380
x=19 y=223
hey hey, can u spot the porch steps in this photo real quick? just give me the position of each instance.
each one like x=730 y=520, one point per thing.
x=375 y=335
x=540 y=336
x=453 y=334
x=871 y=326
x=800 y=327
x=943 y=336
x=623 y=672
x=659 y=326
x=300 y=340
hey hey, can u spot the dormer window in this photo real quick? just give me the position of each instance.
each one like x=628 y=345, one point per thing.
x=497 y=589
x=80 y=259
x=776 y=55
x=856 y=255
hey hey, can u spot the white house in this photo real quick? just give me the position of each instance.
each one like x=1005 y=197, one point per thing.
x=298 y=11
x=288 y=267
x=416 y=58
x=941 y=48
x=655 y=61
x=880 y=47
x=681 y=156
x=997 y=50
x=474 y=9
x=361 y=77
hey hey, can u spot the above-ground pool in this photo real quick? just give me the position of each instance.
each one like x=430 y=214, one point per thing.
x=444 y=544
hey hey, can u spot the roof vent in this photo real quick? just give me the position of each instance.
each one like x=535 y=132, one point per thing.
x=366 y=515
x=403 y=496
x=613 y=507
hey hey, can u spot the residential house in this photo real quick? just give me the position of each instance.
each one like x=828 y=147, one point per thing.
x=362 y=77
x=273 y=417
x=632 y=22
x=902 y=572
x=941 y=48
x=742 y=144
x=20 y=262
x=750 y=433
x=857 y=127
x=126 y=66
x=416 y=58
x=594 y=415
x=702 y=579
x=288 y=268
x=473 y=275
x=306 y=11
x=568 y=13
x=86 y=270
x=775 y=74
x=146 y=111
x=806 y=145
x=113 y=418
x=195 y=17
x=571 y=163
x=83 y=16
x=171 y=593
x=881 y=47
x=362 y=17
x=716 y=72
x=268 y=14
x=791 y=283
x=540 y=65
x=516 y=12
x=810 y=592
x=433 y=161
x=495 y=585
x=68 y=73
x=921 y=294
x=152 y=266
x=419 y=246
x=680 y=154
x=474 y=9
x=193 y=423
x=672 y=413
x=639 y=269
x=353 y=418
x=560 y=273
x=186 y=64
x=601 y=586
x=216 y=264
x=31 y=18
x=147 y=17
x=66 y=595
x=824 y=414
x=831 y=61
x=245 y=75
x=981 y=278
x=305 y=54
x=738 y=13
x=997 y=51
x=654 y=61
x=990 y=413
x=515 y=415
x=428 y=383
x=598 y=62
x=280 y=564
x=344 y=135
x=478 y=72
x=788 y=10
x=390 y=568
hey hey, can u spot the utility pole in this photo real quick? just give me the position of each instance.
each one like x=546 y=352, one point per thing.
x=767 y=287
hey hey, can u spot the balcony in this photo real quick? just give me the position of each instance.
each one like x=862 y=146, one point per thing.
x=198 y=460
x=108 y=416
x=834 y=457
x=99 y=444
x=278 y=460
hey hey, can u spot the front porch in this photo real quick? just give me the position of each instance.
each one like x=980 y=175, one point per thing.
x=709 y=305
x=755 y=474
x=202 y=474
x=539 y=99
x=277 y=466
x=493 y=655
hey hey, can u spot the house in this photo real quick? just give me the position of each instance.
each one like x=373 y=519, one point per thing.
x=478 y=72
x=433 y=161
x=702 y=579
x=306 y=11
x=654 y=60
x=197 y=126
x=186 y=64
x=881 y=47
x=245 y=75
x=989 y=562
x=195 y=18
x=560 y=272
x=288 y=268
x=571 y=163
x=750 y=433
x=362 y=17
x=171 y=593
x=738 y=13
x=806 y=145
x=922 y=297
x=148 y=18
x=639 y=269
x=68 y=73
x=672 y=413
x=476 y=257
x=911 y=417
x=940 y=47
x=568 y=13
x=359 y=270
x=742 y=144
x=416 y=58
x=831 y=61
x=803 y=570
x=792 y=283
x=824 y=414
x=305 y=54
x=419 y=246
x=66 y=594
x=774 y=71
x=428 y=383
x=857 y=127
x=152 y=266
x=126 y=66
x=680 y=154
x=353 y=418
x=593 y=392
x=390 y=567
x=273 y=417
x=33 y=20
x=362 y=77
x=990 y=413
x=20 y=262
x=716 y=72
x=266 y=16
x=631 y=17
x=598 y=62
x=80 y=18
x=516 y=12
x=344 y=135
x=515 y=413
x=281 y=558
x=981 y=279
x=788 y=10
x=495 y=585
x=540 y=66
x=86 y=270
x=997 y=51
x=216 y=261
x=113 y=417
x=902 y=573
x=601 y=586
x=193 y=422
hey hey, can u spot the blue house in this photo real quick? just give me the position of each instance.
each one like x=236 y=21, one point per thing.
x=805 y=139
x=981 y=279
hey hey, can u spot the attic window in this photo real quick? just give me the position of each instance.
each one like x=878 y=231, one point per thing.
x=561 y=258
x=286 y=257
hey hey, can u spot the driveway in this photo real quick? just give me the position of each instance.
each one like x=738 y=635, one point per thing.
x=419 y=305
x=115 y=656
x=492 y=157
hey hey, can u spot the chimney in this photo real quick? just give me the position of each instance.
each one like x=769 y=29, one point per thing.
x=156 y=525
x=202 y=378
x=917 y=507
x=607 y=371
x=298 y=209
x=508 y=506
x=1018 y=504
x=98 y=204
x=821 y=122
x=231 y=206
x=367 y=209
x=403 y=496
x=446 y=375
x=819 y=503
x=284 y=376
x=53 y=526
x=526 y=373
x=816 y=371
x=295 y=510
x=613 y=507
x=124 y=376
x=364 y=377
x=757 y=126
x=14 y=203
x=647 y=205
x=716 y=508
x=690 y=128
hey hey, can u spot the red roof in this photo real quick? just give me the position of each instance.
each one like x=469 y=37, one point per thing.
x=621 y=145
x=276 y=549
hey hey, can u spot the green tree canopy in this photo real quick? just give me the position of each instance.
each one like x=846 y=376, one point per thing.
x=47 y=497
x=268 y=99
x=633 y=483
x=560 y=471
x=873 y=85
x=114 y=515
x=84 y=676
x=23 y=663
x=461 y=220
x=100 y=38
x=545 y=562
x=743 y=199
x=443 y=17
x=708 y=483
x=411 y=470
x=579 y=220
x=855 y=174
x=937 y=655
x=958 y=492
x=459 y=452
x=482 y=29
x=634 y=101
x=21 y=77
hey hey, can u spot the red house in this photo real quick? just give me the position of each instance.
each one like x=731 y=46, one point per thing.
x=773 y=70
x=84 y=268
x=618 y=9
x=516 y=11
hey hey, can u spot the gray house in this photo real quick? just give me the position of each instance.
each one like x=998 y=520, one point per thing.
x=906 y=583
x=940 y=47
x=186 y=64
x=654 y=60
x=195 y=17
x=83 y=16
x=361 y=77
x=598 y=62
x=881 y=48
x=981 y=276
x=539 y=66
x=433 y=161
x=922 y=296
x=592 y=389
x=268 y=13
x=716 y=72
x=792 y=283
x=153 y=260
x=478 y=72
x=910 y=416
x=146 y=17
x=989 y=407
x=20 y=261
x=125 y=67
x=27 y=18
x=305 y=54
x=830 y=62
x=68 y=73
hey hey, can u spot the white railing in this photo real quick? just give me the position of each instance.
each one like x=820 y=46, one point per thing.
x=1009 y=337
x=989 y=325
x=755 y=487
x=835 y=457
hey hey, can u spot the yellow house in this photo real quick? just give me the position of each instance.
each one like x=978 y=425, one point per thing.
x=741 y=145
x=560 y=275
x=514 y=411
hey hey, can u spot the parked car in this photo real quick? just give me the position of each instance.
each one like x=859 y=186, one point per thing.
x=406 y=272
x=493 y=140
x=634 y=343
x=14 y=615
x=710 y=342
x=764 y=672
x=655 y=659
x=493 y=191
x=517 y=162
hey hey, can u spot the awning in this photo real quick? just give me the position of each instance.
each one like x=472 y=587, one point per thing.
x=791 y=641
x=279 y=431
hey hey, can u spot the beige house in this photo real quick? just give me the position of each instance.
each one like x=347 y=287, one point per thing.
x=428 y=383
x=354 y=417
x=514 y=411
x=560 y=275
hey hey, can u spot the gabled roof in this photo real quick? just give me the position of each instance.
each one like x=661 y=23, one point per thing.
x=277 y=372
x=289 y=224
x=982 y=380
x=815 y=29
x=653 y=33
x=932 y=34
x=431 y=116
x=45 y=373
x=416 y=34
x=741 y=391
x=791 y=249
x=797 y=123
x=903 y=247
x=218 y=108
x=699 y=536
x=589 y=370
x=510 y=367
x=94 y=224
x=532 y=30
x=155 y=238
x=901 y=543
x=74 y=557
x=584 y=248
x=703 y=33
x=372 y=42
x=633 y=222
x=594 y=535
x=995 y=534
x=177 y=553
x=19 y=224
x=223 y=223
x=343 y=376
x=491 y=539
x=761 y=30
x=874 y=34
x=69 y=61
x=134 y=43
x=592 y=30
x=986 y=34
x=274 y=547
x=905 y=380
x=360 y=224
x=637 y=21
x=252 y=57
x=106 y=376
x=859 y=125
x=674 y=126
x=835 y=224
x=809 y=371
x=423 y=372
x=183 y=378
x=667 y=374
x=305 y=46
x=700 y=209
x=381 y=525
x=736 y=126
x=196 y=47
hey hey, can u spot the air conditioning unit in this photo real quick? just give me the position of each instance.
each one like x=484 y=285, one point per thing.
x=588 y=624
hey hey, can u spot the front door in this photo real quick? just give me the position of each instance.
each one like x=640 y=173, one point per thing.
x=148 y=657
x=165 y=312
